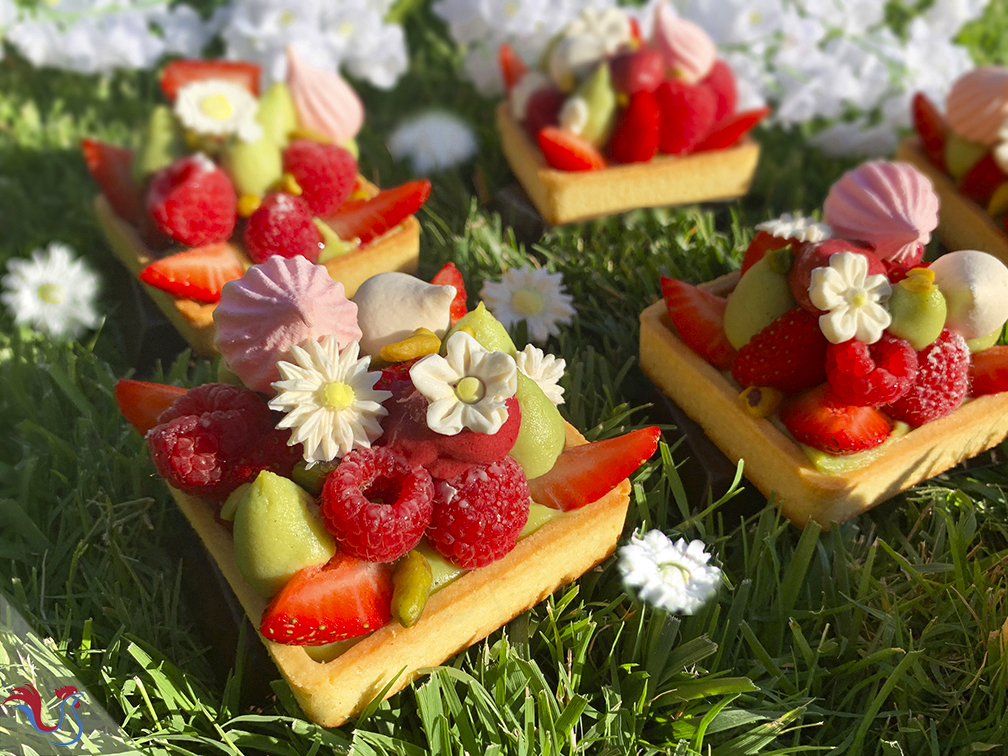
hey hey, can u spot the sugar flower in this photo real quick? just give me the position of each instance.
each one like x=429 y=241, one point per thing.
x=54 y=292
x=216 y=107
x=610 y=26
x=533 y=295
x=799 y=227
x=468 y=388
x=854 y=301
x=329 y=399
x=545 y=369
x=433 y=141
x=675 y=577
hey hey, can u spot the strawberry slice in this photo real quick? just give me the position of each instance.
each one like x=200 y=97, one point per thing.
x=721 y=81
x=343 y=598
x=512 y=67
x=198 y=273
x=687 y=115
x=566 y=151
x=818 y=419
x=789 y=354
x=982 y=179
x=763 y=242
x=930 y=124
x=142 y=402
x=586 y=473
x=698 y=317
x=178 y=73
x=729 y=132
x=635 y=138
x=112 y=169
x=450 y=275
x=988 y=371
x=368 y=219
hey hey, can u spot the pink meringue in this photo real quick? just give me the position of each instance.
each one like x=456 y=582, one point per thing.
x=277 y=304
x=977 y=104
x=687 y=49
x=891 y=206
x=323 y=100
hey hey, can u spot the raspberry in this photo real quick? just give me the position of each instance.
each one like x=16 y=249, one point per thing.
x=942 y=381
x=479 y=515
x=216 y=437
x=870 y=375
x=193 y=201
x=282 y=225
x=326 y=173
x=377 y=504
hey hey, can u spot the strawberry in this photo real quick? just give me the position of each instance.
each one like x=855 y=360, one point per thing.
x=728 y=132
x=763 y=242
x=343 y=598
x=988 y=371
x=982 y=179
x=368 y=219
x=941 y=384
x=512 y=67
x=789 y=354
x=112 y=169
x=818 y=419
x=586 y=473
x=687 y=115
x=698 y=317
x=198 y=273
x=635 y=138
x=141 y=402
x=931 y=126
x=178 y=73
x=451 y=276
x=721 y=81
x=566 y=151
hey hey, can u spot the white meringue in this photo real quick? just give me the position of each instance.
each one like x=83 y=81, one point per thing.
x=975 y=287
x=392 y=305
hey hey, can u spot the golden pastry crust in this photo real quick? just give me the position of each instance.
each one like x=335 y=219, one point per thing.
x=396 y=250
x=776 y=464
x=962 y=223
x=569 y=196
x=460 y=614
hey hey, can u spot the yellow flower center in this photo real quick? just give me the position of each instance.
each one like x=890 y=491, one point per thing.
x=287 y=18
x=346 y=29
x=672 y=570
x=52 y=293
x=511 y=10
x=217 y=106
x=470 y=389
x=527 y=302
x=858 y=298
x=337 y=395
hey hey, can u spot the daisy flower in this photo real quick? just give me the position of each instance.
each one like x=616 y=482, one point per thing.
x=545 y=369
x=329 y=399
x=54 y=292
x=433 y=141
x=219 y=108
x=670 y=576
x=467 y=388
x=854 y=301
x=533 y=295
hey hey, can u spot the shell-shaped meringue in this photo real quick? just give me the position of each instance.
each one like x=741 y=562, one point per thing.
x=977 y=104
x=891 y=206
x=975 y=287
x=323 y=100
x=688 y=50
x=392 y=305
x=275 y=305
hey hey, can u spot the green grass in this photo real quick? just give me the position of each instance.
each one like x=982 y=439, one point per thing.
x=887 y=635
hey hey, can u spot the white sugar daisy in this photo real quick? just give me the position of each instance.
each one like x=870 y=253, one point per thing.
x=675 y=577
x=854 y=301
x=467 y=388
x=533 y=295
x=545 y=369
x=215 y=107
x=53 y=292
x=329 y=399
x=798 y=226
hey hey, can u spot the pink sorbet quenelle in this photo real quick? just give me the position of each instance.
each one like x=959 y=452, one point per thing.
x=275 y=305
